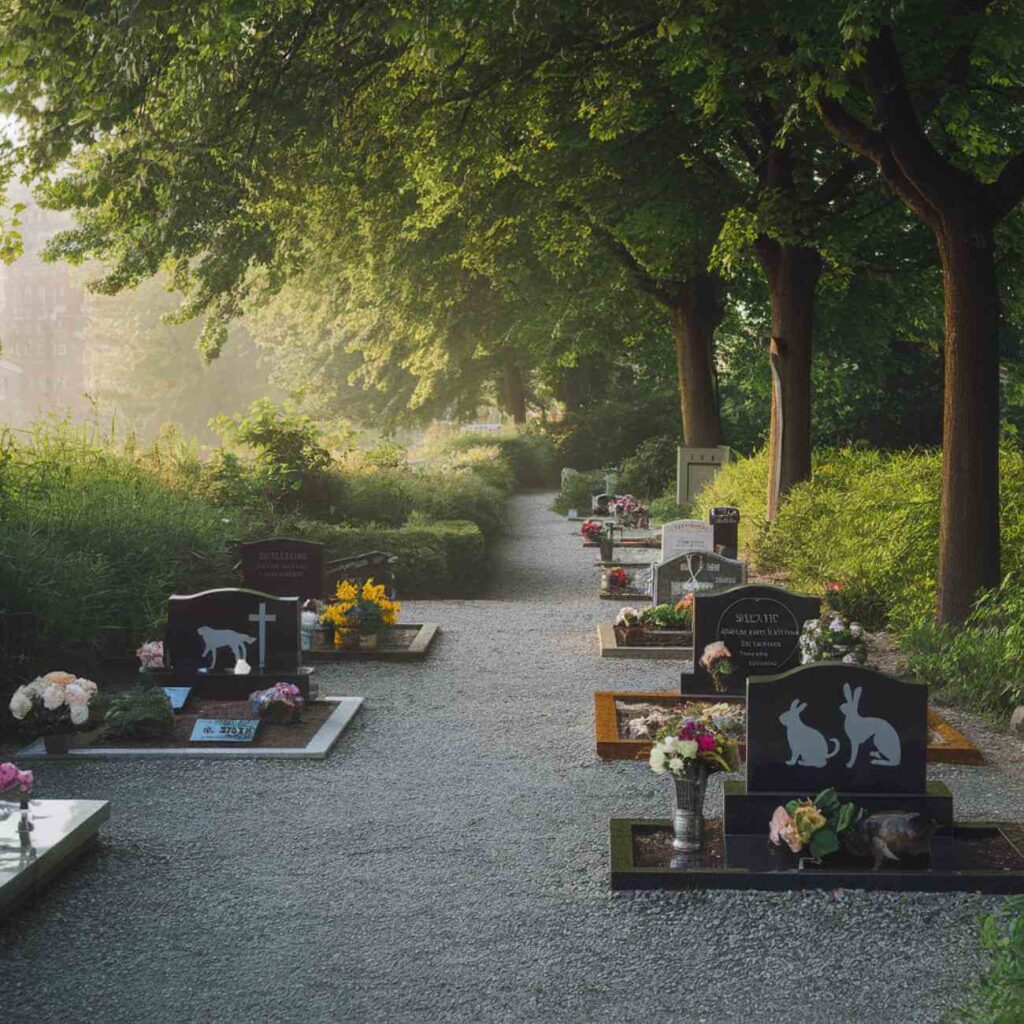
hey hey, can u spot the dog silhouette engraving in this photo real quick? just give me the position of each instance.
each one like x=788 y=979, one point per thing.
x=808 y=748
x=887 y=750
x=214 y=639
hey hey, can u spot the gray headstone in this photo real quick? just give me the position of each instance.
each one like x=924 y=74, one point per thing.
x=696 y=572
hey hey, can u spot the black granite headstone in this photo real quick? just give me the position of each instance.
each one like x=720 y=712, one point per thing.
x=211 y=631
x=378 y=565
x=600 y=504
x=829 y=724
x=760 y=624
x=726 y=521
x=283 y=566
x=694 y=572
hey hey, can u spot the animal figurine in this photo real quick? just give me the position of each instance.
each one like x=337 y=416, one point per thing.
x=214 y=639
x=887 y=751
x=808 y=748
x=891 y=836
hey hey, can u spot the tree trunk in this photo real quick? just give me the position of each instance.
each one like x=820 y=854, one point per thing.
x=969 y=527
x=514 y=392
x=792 y=273
x=695 y=317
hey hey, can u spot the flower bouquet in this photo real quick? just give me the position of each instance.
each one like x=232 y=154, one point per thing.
x=281 y=703
x=834 y=638
x=151 y=656
x=591 y=531
x=717 y=662
x=690 y=749
x=358 y=614
x=15 y=787
x=628 y=627
x=615 y=580
x=54 y=706
x=675 y=617
x=815 y=825
x=630 y=513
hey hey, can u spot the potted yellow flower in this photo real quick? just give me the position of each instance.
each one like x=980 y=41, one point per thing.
x=358 y=614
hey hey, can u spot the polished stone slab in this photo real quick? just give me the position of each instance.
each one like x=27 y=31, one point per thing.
x=317 y=749
x=62 y=830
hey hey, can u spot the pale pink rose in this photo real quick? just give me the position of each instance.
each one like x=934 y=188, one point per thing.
x=77 y=695
x=21 y=703
x=79 y=715
x=53 y=697
x=88 y=685
x=779 y=820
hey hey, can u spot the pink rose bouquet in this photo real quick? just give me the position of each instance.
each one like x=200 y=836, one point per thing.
x=14 y=784
x=151 y=655
x=55 y=703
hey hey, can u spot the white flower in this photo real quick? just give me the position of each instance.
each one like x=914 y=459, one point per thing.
x=849 y=659
x=627 y=616
x=79 y=715
x=21 y=703
x=658 y=760
x=76 y=695
x=88 y=685
x=856 y=629
x=242 y=667
x=687 y=748
x=836 y=625
x=676 y=764
x=53 y=697
x=35 y=688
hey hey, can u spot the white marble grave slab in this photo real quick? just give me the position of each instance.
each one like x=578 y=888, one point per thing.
x=61 y=831
x=683 y=535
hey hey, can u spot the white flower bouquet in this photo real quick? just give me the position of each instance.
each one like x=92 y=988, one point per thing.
x=834 y=638
x=58 y=702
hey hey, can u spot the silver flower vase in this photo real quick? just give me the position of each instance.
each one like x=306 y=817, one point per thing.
x=688 y=816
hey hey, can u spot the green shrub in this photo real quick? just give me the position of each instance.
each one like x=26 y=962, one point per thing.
x=435 y=559
x=998 y=997
x=144 y=715
x=577 y=492
x=980 y=664
x=651 y=468
x=529 y=455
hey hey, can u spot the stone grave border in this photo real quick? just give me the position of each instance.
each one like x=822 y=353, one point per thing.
x=957 y=749
x=609 y=647
x=426 y=634
x=317 y=749
x=625 y=875
x=28 y=881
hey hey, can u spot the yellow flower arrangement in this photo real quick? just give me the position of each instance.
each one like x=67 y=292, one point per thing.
x=355 y=607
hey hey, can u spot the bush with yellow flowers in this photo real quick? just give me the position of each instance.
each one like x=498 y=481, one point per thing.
x=359 y=610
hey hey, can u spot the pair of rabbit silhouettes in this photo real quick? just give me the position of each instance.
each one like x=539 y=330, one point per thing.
x=808 y=748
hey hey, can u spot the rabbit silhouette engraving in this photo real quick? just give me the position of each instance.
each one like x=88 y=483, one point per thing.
x=808 y=748
x=887 y=751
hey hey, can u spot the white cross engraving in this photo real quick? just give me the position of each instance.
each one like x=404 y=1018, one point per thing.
x=263 y=618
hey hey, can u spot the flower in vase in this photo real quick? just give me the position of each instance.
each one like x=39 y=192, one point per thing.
x=658 y=759
x=781 y=829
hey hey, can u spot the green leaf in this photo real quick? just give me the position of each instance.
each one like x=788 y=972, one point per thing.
x=823 y=843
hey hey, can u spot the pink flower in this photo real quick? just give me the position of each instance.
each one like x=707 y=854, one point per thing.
x=781 y=829
x=12 y=778
x=706 y=742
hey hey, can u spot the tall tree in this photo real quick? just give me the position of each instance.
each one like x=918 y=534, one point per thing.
x=933 y=96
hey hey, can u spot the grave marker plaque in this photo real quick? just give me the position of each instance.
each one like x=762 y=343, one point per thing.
x=684 y=535
x=224 y=730
x=760 y=625
x=283 y=566
x=829 y=724
x=693 y=572
x=177 y=695
x=208 y=633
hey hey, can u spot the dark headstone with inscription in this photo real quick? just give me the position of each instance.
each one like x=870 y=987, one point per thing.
x=726 y=521
x=695 y=572
x=284 y=566
x=376 y=565
x=758 y=623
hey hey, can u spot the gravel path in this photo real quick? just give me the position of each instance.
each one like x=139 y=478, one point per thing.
x=449 y=862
